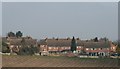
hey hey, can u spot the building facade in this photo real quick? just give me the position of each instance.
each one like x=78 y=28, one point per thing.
x=100 y=48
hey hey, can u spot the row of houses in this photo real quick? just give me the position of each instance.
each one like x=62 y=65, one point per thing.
x=62 y=45
x=100 y=48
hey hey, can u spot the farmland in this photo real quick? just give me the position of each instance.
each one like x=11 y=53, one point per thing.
x=52 y=61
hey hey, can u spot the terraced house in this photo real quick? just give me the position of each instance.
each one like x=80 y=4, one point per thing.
x=59 y=45
x=15 y=44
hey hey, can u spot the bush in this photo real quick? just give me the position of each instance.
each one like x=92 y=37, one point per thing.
x=28 y=50
x=5 y=48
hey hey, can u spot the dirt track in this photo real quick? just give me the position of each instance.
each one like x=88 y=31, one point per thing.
x=45 y=61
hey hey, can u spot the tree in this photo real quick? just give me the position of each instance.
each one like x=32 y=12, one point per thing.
x=33 y=50
x=27 y=49
x=11 y=34
x=115 y=43
x=118 y=43
x=96 y=39
x=118 y=47
x=73 y=44
x=104 y=39
x=19 y=34
x=23 y=41
x=5 y=48
x=23 y=49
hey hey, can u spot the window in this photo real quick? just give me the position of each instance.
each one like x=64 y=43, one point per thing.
x=113 y=47
x=87 y=48
x=66 y=47
x=49 y=47
x=78 y=46
x=54 y=47
x=95 y=49
x=44 y=49
x=62 y=47
x=91 y=48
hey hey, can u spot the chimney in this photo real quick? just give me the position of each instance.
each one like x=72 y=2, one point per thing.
x=46 y=39
x=57 y=38
x=78 y=39
x=68 y=38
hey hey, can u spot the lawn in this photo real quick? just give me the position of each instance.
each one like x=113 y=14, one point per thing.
x=56 y=61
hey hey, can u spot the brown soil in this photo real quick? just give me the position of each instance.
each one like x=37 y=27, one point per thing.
x=47 y=61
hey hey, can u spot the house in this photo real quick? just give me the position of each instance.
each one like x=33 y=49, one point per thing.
x=100 y=48
x=97 y=48
x=113 y=47
x=57 y=45
x=15 y=43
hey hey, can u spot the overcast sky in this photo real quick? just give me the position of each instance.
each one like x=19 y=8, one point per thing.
x=59 y=0
x=0 y=18
x=85 y=20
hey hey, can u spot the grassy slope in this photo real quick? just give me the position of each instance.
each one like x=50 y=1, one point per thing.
x=46 y=61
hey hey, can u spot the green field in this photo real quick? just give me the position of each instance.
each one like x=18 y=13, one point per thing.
x=52 y=61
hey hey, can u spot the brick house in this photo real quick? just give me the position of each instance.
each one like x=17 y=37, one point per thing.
x=97 y=48
x=15 y=43
x=100 y=48
x=57 y=45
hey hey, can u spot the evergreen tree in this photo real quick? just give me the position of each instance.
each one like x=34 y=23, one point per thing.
x=11 y=34
x=19 y=34
x=96 y=39
x=73 y=44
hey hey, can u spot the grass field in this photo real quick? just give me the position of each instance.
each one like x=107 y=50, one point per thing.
x=47 y=61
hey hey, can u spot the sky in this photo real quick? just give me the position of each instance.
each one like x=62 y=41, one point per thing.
x=119 y=21
x=85 y=20
x=0 y=18
x=59 y=0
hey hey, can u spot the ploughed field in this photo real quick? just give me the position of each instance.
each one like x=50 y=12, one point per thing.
x=56 y=61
